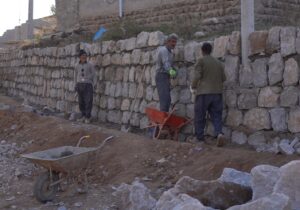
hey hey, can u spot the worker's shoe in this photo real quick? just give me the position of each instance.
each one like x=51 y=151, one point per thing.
x=87 y=120
x=81 y=119
x=195 y=140
x=221 y=140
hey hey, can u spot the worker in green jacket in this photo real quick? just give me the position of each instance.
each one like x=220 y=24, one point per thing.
x=207 y=86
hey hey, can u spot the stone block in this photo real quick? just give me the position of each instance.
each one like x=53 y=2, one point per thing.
x=125 y=89
x=111 y=103
x=190 y=51
x=185 y=96
x=293 y=120
x=147 y=75
x=145 y=58
x=118 y=92
x=279 y=119
x=257 y=119
x=106 y=60
x=264 y=178
x=289 y=97
x=126 y=59
x=156 y=38
x=136 y=56
x=288 y=41
x=268 y=96
x=190 y=111
x=108 y=47
x=220 y=46
x=230 y=98
x=234 y=45
x=273 y=40
x=291 y=72
x=257 y=139
x=125 y=105
x=234 y=118
x=232 y=64
x=126 y=74
x=247 y=99
x=239 y=137
x=258 y=42
x=149 y=93
x=260 y=76
x=246 y=76
x=142 y=107
x=298 y=41
x=276 y=66
x=135 y=119
x=132 y=90
x=102 y=115
x=112 y=90
x=114 y=116
x=116 y=59
x=130 y=44
x=142 y=39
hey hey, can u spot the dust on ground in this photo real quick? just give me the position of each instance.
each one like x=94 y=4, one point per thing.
x=157 y=163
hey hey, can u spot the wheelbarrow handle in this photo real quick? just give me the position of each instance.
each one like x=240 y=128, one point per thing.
x=82 y=138
x=104 y=142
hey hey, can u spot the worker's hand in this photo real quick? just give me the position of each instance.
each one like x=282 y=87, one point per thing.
x=193 y=91
x=172 y=73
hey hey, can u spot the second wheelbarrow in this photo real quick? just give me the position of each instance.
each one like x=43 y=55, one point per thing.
x=60 y=162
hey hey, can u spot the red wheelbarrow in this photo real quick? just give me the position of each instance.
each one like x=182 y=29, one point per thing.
x=165 y=123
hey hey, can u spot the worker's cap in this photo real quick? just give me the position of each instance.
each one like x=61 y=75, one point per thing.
x=82 y=52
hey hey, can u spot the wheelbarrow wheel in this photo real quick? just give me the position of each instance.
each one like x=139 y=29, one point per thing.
x=43 y=192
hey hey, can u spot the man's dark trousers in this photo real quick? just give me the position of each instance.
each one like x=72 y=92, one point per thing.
x=85 y=98
x=163 y=88
x=212 y=103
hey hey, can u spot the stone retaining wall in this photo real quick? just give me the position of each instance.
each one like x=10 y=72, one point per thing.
x=262 y=97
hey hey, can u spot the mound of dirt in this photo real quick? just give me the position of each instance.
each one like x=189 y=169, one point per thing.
x=159 y=163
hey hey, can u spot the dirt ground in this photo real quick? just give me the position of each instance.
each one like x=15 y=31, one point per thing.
x=157 y=163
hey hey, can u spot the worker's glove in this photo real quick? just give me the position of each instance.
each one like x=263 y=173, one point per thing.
x=172 y=72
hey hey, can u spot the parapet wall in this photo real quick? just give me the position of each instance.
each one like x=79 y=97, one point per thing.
x=262 y=97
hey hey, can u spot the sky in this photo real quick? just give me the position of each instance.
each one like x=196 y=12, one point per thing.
x=15 y=12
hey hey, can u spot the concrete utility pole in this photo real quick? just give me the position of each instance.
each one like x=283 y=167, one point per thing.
x=121 y=8
x=30 y=20
x=247 y=21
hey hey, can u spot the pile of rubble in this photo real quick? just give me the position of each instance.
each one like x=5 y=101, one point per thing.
x=265 y=187
x=12 y=166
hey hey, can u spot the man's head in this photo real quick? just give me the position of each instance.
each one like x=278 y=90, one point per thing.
x=206 y=48
x=171 y=41
x=82 y=56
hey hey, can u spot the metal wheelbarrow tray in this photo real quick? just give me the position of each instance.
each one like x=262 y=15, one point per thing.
x=60 y=162
x=165 y=122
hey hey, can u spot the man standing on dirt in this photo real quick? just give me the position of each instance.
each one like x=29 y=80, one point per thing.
x=207 y=85
x=165 y=71
x=85 y=81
